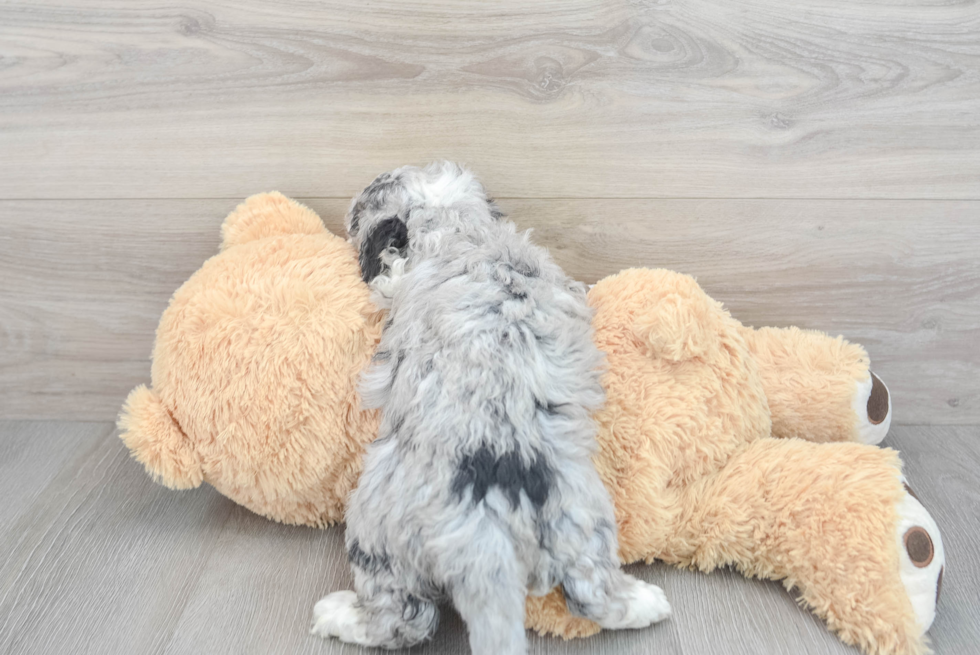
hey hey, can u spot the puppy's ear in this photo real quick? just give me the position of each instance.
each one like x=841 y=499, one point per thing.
x=391 y=233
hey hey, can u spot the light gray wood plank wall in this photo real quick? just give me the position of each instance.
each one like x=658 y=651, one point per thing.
x=98 y=559
x=84 y=283
x=560 y=98
x=654 y=107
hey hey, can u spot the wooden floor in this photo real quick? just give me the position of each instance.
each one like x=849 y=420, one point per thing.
x=812 y=162
x=100 y=560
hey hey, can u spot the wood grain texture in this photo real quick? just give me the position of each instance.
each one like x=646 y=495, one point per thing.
x=569 y=98
x=83 y=283
x=103 y=559
x=98 y=559
x=43 y=449
x=945 y=463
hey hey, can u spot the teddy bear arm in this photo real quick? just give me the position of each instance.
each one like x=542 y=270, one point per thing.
x=796 y=511
x=819 y=388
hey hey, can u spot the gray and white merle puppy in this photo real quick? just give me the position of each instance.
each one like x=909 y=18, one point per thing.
x=480 y=487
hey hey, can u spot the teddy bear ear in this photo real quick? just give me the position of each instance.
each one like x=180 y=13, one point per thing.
x=156 y=441
x=267 y=215
x=672 y=317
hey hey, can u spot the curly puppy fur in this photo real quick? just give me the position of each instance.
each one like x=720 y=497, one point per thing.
x=480 y=487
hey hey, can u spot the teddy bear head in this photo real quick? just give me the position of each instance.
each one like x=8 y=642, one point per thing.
x=255 y=368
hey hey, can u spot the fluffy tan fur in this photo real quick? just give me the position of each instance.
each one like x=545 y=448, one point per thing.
x=255 y=369
x=685 y=448
x=808 y=379
x=254 y=375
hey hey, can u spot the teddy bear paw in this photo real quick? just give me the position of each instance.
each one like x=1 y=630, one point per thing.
x=873 y=406
x=921 y=557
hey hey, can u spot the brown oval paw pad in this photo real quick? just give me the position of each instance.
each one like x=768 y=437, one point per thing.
x=878 y=401
x=918 y=544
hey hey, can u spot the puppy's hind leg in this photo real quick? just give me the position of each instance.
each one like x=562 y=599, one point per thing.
x=379 y=614
x=584 y=537
x=615 y=600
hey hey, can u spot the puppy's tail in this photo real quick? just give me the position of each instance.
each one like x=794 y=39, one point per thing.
x=156 y=441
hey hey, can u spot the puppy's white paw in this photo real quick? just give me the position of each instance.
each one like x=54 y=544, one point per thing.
x=338 y=615
x=645 y=604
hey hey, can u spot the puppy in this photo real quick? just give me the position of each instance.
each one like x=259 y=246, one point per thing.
x=480 y=487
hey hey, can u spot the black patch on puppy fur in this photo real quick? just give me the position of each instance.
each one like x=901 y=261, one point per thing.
x=420 y=621
x=366 y=561
x=411 y=608
x=550 y=409
x=508 y=473
x=389 y=233
x=373 y=197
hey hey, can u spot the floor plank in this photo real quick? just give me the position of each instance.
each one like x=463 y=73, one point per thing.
x=262 y=588
x=620 y=98
x=44 y=449
x=101 y=560
x=83 y=283
x=945 y=464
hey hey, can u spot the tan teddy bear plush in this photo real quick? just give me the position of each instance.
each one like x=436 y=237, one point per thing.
x=687 y=450
x=720 y=444
x=255 y=368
